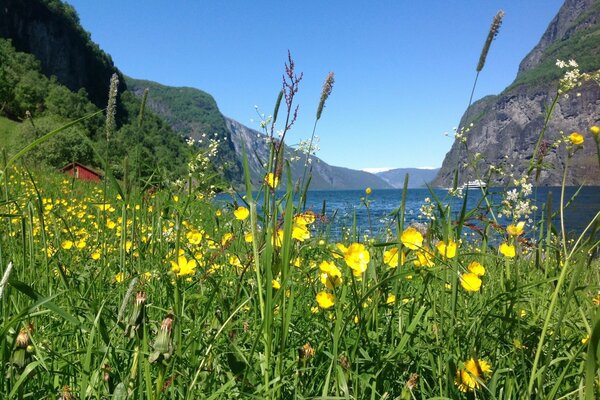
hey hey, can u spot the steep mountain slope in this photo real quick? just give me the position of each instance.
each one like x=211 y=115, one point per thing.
x=506 y=127
x=193 y=114
x=417 y=177
x=50 y=30
x=51 y=72
x=324 y=176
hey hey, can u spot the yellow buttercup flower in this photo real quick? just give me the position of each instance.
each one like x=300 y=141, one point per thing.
x=516 y=230
x=271 y=180
x=330 y=275
x=507 y=250
x=194 y=236
x=300 y=232
x=119 y=277
x=447 y=250
x=476 y=268
x=412 y=238
x=67 y=244
x=248 y=237
x=475 y=371
x=183 y=266
x=357 y=258
x=424 y=259
x=576 y=138
x=391 y=299
x=368 y=190
x=275 y=283
x=241 y=213
x=470 y=282
x=325 y=300
x=277 y=238
x=96 y=255
x=305 y=218
x=595 y=130
x=390 y=257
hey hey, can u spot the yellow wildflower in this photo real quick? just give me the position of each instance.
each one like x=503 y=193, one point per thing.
x=412 y=238
x=194 y=236
x=447 y=250
x=390 y=257
x=331 y=276
x=368 y=191
x=507 y=250
x=119 y=277
x=576 y=138
x=241 y=213
x=325 y=300
x=391 y=299
x=470 y=282
x=595 y=130
x=183 y=266
x=248 y=237
x=424 y=259
x=67 y=244
x=475 y=371
x=96 y=255
x=305 y=218
x=300 y=232
x=226 y=238
x=275 y=283
x=516 y=230
x=277 y=238
x=357 y=258
x=585 y=340
x=271 y=180
x=476 y=268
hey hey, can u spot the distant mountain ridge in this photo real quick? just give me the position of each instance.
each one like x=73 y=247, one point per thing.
x=506 y=127
x=417 y=177
x=324 y=176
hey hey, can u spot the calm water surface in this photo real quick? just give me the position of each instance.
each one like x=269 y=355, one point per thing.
x=342 y=207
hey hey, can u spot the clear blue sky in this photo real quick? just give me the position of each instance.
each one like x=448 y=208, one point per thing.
x=403 y=69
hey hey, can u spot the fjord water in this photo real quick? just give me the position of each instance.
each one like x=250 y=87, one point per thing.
x=342 y=207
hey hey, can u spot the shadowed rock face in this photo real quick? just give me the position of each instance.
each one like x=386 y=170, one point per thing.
x=51 y=32
x=506 y=127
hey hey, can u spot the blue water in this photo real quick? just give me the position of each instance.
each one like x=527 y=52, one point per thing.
x=342 y=207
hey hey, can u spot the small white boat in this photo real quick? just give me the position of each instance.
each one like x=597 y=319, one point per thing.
x=476 y=184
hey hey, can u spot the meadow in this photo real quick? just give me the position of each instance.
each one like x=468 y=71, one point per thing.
x=116 y=290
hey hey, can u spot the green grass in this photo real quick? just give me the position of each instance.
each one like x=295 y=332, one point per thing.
x=126 y=294
x=8 y=129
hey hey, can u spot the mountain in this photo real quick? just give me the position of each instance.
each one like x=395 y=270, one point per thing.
x=52 y=73
x=193 y=114
x=506 y=127
x=324 y=176
x=417 y=177
x=50 y=30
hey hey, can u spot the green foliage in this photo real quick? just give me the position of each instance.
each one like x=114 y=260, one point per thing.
x=583 y=46
x=63 y=148
x=193 y=114
x=152 y=149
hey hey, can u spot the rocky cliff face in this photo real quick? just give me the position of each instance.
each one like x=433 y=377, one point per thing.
x=506 y=127
x=50 y=30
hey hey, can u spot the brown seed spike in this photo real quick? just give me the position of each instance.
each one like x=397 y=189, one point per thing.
x=488 y=41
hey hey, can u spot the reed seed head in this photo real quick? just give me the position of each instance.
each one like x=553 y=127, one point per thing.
x=111 y=109
x=496 y=22
x=327 y=88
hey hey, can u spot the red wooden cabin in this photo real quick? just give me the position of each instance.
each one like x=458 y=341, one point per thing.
x=82 y=172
